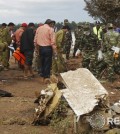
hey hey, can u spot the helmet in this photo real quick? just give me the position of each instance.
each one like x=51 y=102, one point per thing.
x=110 y=25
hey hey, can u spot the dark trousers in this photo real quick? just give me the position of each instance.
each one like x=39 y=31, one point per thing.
x=46 y=60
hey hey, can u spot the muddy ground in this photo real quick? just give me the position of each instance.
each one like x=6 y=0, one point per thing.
x=17 y=113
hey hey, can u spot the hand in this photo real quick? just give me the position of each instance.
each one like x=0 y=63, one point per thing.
x=77 y=53
x=100 y=55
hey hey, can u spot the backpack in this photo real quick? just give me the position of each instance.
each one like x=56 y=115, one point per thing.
x=19 y=56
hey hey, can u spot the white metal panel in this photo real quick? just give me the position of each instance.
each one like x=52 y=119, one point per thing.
x=82 y=89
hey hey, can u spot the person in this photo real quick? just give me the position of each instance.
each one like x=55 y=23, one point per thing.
x=67 y=40
x=58 y=64
x=18 y=33
x=45 y=38
x=111 y=39
x=3 y=25
x=89 y=45
x=27 y=48
x=78 y=34
x=36 y=58
x=97 y=30
x=11 y=26
x=5 y=40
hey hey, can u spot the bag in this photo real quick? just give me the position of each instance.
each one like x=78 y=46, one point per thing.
x=19 y=56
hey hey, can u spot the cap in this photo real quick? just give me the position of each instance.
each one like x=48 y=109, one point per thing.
x=24 y=25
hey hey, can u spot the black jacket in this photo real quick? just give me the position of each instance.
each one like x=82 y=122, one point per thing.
x=27 y=40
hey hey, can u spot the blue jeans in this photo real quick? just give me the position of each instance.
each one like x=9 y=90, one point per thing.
x=46 y=60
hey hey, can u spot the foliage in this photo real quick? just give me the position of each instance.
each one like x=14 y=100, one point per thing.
x=105 y=10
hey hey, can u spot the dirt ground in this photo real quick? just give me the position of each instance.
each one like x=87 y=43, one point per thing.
x=16 y=113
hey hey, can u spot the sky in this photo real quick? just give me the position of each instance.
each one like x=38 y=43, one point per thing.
x=19 y=11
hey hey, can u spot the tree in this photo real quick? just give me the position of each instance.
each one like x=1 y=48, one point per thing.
x=108 y=11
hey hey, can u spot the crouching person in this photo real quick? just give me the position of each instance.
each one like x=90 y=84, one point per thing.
x=27 y=48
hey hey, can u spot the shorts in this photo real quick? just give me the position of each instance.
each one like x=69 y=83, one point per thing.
x=29 y=57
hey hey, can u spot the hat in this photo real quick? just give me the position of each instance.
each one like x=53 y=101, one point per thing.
x=49 y=21
x=31 y=24
x=40 y=24
x=24 y=25
x=11 y=24
x=66 y=27
x=4 y=24
x=66 y=20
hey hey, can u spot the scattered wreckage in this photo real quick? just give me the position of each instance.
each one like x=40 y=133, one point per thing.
x=85 y=96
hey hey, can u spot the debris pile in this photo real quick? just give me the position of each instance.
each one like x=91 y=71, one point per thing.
x=80 y=105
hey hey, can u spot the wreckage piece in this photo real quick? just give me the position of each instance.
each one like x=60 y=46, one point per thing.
x=83 y=90
x=48 y=100
x=116 y=107
x=4 y=93
x=87 y=97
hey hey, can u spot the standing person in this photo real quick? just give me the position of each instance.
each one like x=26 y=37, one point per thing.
x=11 y=26
x=111 y=39
x=78 y=34
x=5 y=40
x=67 y=40
x=97 y=30
x=2 y=45
x=89 y=45
x=45 y=38
x=3 y=25
x=18 y=34
x=36 y=58
x=58 y=64
x=27 y=48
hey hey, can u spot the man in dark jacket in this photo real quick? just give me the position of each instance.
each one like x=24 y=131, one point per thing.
x=27 y=48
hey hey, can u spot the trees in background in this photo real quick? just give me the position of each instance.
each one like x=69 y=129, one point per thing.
x=104 y=10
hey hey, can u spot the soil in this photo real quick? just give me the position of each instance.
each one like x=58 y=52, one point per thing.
x=17 y=112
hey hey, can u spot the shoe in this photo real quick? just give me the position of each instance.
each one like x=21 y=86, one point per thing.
x=26 y=77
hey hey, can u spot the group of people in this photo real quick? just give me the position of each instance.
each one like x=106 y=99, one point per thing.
x=42 y=45
x=49 y=49
x=100 y=47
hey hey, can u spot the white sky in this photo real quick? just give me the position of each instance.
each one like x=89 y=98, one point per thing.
x=36 y=11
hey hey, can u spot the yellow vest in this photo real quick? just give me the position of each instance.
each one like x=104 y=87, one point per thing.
x=98 y=33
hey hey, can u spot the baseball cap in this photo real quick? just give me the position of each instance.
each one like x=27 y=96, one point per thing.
x=24 y=25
